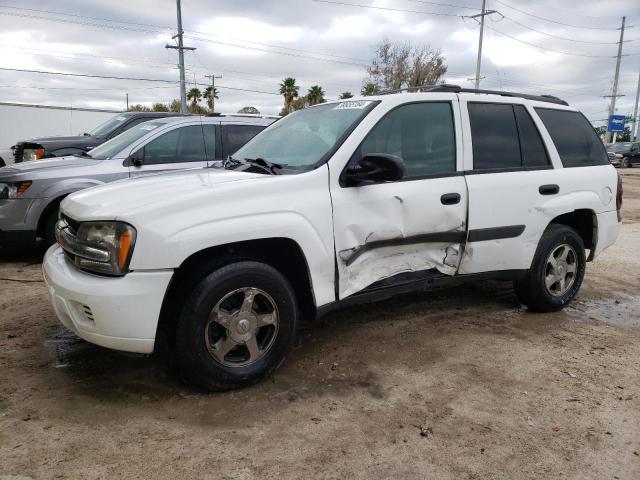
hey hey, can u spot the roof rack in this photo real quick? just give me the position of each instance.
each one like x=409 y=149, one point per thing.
x=445 y=87
x=250 y=115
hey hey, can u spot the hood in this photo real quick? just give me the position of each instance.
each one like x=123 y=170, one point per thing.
x=49 y=165
x=126 y=198
x=55 y=143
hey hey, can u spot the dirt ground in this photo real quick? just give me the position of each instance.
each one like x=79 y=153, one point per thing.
x=459 y=384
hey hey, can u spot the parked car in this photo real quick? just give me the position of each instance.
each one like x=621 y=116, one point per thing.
x=624 y=154
x=59 y=146
x=336 y=204
x=31 y=192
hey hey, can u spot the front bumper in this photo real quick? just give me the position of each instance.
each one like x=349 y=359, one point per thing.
x=120 y=313
x=19 y=221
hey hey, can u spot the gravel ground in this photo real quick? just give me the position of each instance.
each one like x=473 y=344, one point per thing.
x=456 y=384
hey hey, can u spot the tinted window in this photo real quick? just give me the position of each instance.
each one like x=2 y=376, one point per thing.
x=238 y=135
x=422 y=134
x=494 y=134
x=533 y=152
x=574 y=137
x=184 y=144
x=114 y=146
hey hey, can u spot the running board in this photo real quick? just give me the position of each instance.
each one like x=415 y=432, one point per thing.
x=414 y=282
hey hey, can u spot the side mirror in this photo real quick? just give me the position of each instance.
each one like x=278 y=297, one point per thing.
x=374 y=168
x=136 y=159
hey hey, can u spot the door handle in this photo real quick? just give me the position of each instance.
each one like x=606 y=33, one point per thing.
x=549 y=189
x=450 y=198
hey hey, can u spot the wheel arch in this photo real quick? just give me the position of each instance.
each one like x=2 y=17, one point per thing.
x=283 y=254
x=585 y=222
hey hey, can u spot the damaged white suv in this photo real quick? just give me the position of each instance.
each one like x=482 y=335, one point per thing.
x=343 y=202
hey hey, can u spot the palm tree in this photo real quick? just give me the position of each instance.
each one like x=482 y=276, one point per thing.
x=210 y=95
x=195 y=95
x=289 y=90
x=369 y=89
x=345 y=95
x=315 y=95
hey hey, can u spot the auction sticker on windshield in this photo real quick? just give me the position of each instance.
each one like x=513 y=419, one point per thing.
x=352 y=105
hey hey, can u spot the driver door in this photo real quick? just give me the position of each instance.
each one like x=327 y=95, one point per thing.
x=417 y=223
x=187 y=146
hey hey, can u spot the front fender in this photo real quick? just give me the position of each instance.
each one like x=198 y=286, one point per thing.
x=181 y=244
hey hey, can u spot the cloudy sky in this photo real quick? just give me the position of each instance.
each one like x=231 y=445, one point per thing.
x=531 y=46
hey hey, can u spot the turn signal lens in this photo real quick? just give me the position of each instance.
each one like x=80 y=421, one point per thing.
x=124 y=246
x=39 y=153
x=22 y=187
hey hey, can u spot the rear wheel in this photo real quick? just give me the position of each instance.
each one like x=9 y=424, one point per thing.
x=236 y=326
x=556 y=272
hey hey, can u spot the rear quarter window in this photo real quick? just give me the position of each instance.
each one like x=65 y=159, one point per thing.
x=575 y=139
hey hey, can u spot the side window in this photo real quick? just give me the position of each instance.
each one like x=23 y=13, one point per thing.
x=534 y=153
x=422 y=134
x=575 y=139
x=238 y=135
x=128 y=125
x=494 y=135
x=185 y=144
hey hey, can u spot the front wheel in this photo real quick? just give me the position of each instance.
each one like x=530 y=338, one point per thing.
x=556 y=272
x=624 y=162
x=236 y=326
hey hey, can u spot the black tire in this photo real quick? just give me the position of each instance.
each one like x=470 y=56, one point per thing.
x=531 y=290
x=195 y=364
x=625 y=162
x=49 y=227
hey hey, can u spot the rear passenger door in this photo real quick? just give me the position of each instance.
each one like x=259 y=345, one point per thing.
x=187 y=146
x=509 y=178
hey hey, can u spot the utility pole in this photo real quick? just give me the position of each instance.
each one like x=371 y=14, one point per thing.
x=181 y=48
x=483 y=14
x=634 y=128
x=127 y=96
x=614 y=93
x=213 y=77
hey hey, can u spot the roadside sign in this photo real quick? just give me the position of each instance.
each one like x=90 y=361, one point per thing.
x=616 y=123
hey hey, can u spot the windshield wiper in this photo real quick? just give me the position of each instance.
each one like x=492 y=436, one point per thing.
x=230 y=163
x=271 y=167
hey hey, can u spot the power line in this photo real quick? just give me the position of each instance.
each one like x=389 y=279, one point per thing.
x=464 y=7
x=587 y=55
x=85 y=75
x=554 y=21
x=386 y=8
x=556 y=36
x=53 y=12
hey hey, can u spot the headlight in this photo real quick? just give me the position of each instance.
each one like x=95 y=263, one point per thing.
x=99 y=247
x=32 y=154
x=13 y=189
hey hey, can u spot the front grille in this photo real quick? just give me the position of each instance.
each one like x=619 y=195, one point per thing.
x=17 y=152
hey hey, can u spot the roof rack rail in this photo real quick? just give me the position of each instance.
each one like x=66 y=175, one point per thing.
x=444 y=87
x=249 y=115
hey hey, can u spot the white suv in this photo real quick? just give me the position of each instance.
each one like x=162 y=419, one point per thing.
x=343 y=202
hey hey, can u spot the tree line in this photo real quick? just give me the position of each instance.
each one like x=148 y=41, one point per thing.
x=395 y=66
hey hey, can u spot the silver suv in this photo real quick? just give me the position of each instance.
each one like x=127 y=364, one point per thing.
x=31 y=192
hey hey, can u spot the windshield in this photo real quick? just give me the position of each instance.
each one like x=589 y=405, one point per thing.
x=108 y=126
x=620 y=147
x=303 y=138
x=114 y=146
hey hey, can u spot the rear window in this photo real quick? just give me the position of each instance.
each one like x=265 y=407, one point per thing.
x=494 y=135
x=575 y=139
